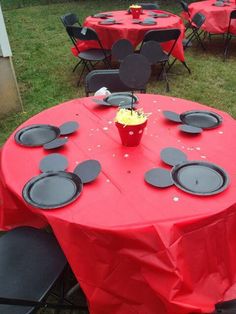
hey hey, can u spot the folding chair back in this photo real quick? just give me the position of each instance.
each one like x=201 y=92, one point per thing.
x=198 y=20
x=31 y=262
x=185 y=8
x=70 y=19
x=149 y=6
x=106 y=78
x=163 y=35
x=121 y=48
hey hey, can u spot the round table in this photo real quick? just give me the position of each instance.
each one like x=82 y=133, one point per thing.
x=109 y=34
x=217 y=18
x=134 y=248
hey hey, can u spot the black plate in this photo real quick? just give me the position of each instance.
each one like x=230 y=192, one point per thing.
x=36 y=135
x=88 y=170
x=52 y=189
x=158 y=177
x=107 y=22
x=53 y=162
x=68 y=127
x=121 y=99
x=153 y=14
x=148 y=23
x=102 y=15
x=172 y=156
x=58 y=142
x=190 y=129
x=218 y=4
x=200 y=178
x=201 y=119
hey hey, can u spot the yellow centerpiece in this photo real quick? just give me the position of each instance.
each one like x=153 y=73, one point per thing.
x=131 y=117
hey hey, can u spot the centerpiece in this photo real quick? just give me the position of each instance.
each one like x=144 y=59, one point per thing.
x=131 y=124
x=135 y=11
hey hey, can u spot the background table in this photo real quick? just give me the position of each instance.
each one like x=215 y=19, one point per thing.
x=135 y=248
x=109 y=34
x=217 y=18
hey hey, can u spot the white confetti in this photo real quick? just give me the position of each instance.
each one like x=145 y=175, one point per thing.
x=109 y=122
x=198 y=148
x=131 y=133
x=175 y=199
x=126 y=155
x=98 y=145
x=183 y=146
x=108 y=180
x=66 y=137
x=76 y=162
x=173 y=99
x=154 y=101
x=91 y=129
x=220 y=132
x=113 y=155
x=202 y=156
x=178 y=141
x=105 y=128
x=89 y=149
x=159 y=110
x=190 y=148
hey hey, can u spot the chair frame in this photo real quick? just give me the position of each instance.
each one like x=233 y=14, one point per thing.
x=161 y=36
x=70 y=19
x=85 y=33
x=19 y=238
x=229 y=35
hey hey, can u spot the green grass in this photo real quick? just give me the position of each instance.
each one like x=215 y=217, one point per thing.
x=43 y=61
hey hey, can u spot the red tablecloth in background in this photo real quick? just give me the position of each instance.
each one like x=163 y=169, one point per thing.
x=135 y=249
x=217 y=18
x=134 y=32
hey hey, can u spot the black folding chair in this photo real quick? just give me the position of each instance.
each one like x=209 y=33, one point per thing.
x=70 y=19
x=149 y=6
x=88 y=57
x=193 y=31
x=31 y=264
x=229 y=35
x=161 y=36
x=106 y=78
x=121 y=48
x=185 y=8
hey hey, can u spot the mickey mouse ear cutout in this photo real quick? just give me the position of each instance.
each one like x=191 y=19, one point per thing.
x=172 y=116
x=68 y=127
x=172 y=156
x=159 y=177
x=53 y=162
x=190 y=129
x=88 y=170
x=58 y=142
x=135 y=71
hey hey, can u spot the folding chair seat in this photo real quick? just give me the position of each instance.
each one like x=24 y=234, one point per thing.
x=229 y=35
x=106 y=78
x=70 y=19
x=160 y=36
x=120 y=49
x=149 y=6
x=31 y=263
x=91 y=56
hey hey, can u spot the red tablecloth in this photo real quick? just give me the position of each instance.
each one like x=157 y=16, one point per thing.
x=135 y=249
x=134 y=32
x=217 y=18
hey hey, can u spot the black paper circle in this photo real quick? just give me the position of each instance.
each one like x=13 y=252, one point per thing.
x=135 y=71
x=172 y=156
x=58 y=142
x=202 y=119
x=158 y=177
x=200 y=178
x=52 y=189
x=36 y=135
x=88 y=170
x=53 y=162
x=69 y=127
x=190 y=129
x=172 y=116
